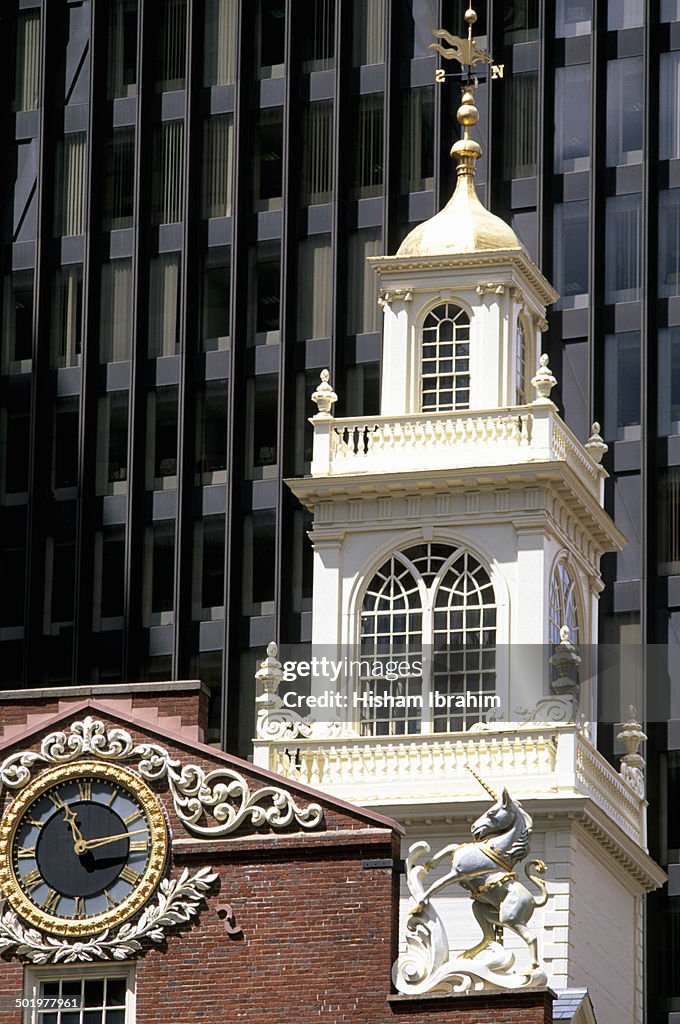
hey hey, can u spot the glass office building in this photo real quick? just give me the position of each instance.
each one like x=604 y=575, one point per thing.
x=190 y=192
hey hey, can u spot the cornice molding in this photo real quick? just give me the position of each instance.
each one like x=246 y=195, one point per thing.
x=554 y=479
x=515 y=258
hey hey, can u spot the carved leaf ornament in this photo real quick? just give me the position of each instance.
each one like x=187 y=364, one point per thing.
x=177 y=901
x=210 y=804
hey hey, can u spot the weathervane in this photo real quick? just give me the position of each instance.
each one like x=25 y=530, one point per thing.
x=465 y=51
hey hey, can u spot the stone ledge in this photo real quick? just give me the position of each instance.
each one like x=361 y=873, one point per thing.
x=97 y=689
x=533 y=995
x=539 y=999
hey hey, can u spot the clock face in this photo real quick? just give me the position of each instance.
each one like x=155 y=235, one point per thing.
x=82 y=848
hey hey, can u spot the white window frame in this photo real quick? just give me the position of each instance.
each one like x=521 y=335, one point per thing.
x=521 y=362
x=35 y=975
x=446 y=311
x=567 y=597
x=424 y=645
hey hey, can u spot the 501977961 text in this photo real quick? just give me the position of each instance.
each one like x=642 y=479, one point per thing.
x=39 y=1003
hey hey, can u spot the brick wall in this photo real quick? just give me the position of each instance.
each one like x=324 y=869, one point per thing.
x=184 y=705
x=490 y=1008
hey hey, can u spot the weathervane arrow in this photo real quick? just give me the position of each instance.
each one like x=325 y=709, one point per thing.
x=463 y=50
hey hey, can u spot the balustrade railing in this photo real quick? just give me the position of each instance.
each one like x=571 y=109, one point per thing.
x=567 y=449
x=536 y=761
x=358 y=438
x=435 y=440
x=609 y=789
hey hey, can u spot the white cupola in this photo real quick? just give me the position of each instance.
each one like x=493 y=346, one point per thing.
x=464 y=306
x=467 y=504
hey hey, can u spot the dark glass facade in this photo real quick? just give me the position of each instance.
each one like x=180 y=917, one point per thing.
x=191 y=190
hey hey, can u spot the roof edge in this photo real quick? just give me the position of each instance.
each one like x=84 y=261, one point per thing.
x=210 y=753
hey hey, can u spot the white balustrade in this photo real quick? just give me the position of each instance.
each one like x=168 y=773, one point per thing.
x=610 y=791
x=523 y=434
x=535 y=761
x=358 y=438
x=568 y=449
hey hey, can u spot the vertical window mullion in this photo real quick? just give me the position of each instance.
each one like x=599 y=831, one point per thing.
x=427 y=656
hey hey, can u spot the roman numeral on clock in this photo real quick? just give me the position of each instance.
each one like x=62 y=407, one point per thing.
x=79 y=906
x=135 y=816
x=56 y=800
x=129 y=875
x=85 y=789
x=50 y=902
x=138 y=846
x=26 y=851
x=32 y=880
x=110 y=902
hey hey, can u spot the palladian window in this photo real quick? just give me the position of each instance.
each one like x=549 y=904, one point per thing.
x=428 y=643
x=445 y=362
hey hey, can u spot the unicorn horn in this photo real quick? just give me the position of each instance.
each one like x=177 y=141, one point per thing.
x=489 y=790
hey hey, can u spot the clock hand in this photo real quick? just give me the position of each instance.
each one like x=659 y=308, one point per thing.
x=70 y=816
x=90 y=844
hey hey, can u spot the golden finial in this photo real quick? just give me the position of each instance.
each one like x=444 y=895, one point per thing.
x=464 y=225
x=468 y=54
x=466 y=150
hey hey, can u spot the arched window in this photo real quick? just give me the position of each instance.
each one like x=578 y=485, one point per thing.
x=445 y=362
x=431 y=605
x=563 y=604
x=520 y=364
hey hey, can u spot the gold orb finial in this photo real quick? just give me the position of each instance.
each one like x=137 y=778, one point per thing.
x=467 y=113
x=464 y=225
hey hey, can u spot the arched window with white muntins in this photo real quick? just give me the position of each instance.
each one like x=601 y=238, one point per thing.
x=563 y=604
x=432 y=604
x=520 y=363
x=445 y=359
x=391 y=631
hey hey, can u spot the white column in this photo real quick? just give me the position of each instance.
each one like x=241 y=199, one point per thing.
x=398 y=392
x=326 y=607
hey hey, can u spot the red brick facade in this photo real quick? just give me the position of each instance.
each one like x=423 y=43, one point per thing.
x=301 y=926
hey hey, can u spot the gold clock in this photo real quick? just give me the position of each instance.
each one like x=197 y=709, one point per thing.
x=82 y=848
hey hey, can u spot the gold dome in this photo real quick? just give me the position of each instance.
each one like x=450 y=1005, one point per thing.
x=464 y=225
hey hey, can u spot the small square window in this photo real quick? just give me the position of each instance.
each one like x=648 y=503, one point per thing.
x=99 y=994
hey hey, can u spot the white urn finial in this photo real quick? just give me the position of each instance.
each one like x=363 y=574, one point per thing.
x=595 y=445
x=270 y=672
x=544 y=381
x=632 y=737
x=632 y=762
x=566 y=660
x=324 y=397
